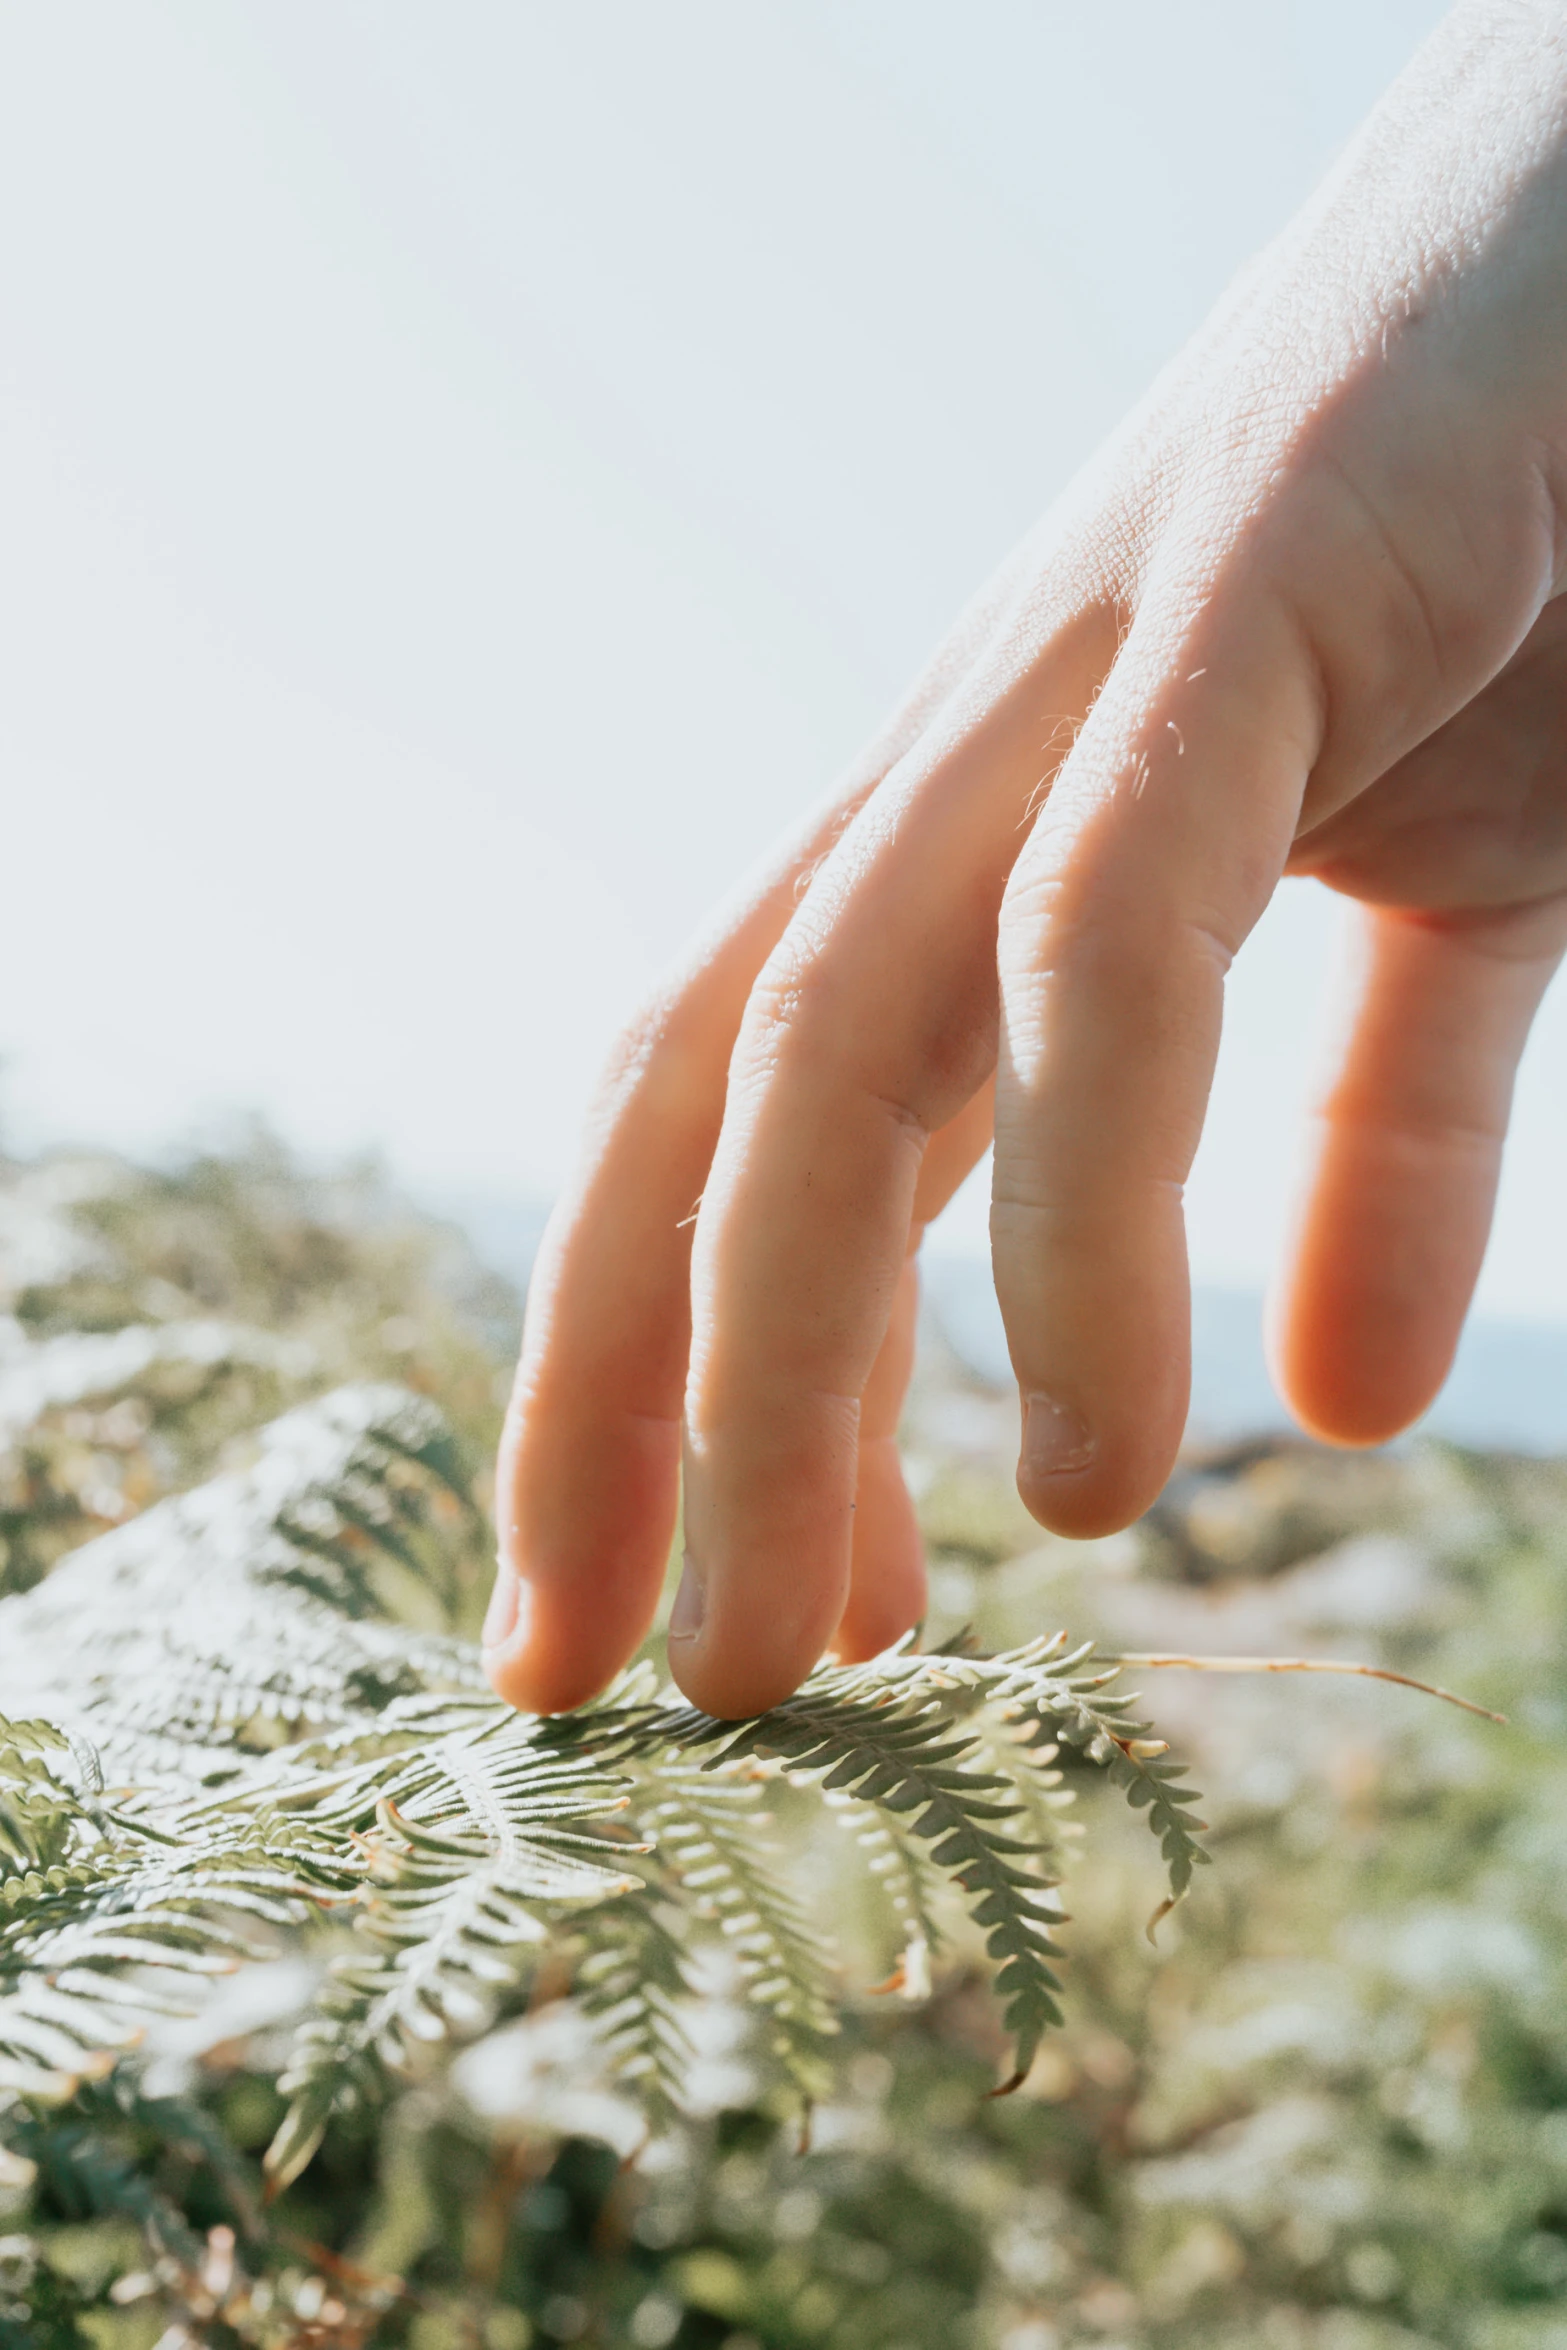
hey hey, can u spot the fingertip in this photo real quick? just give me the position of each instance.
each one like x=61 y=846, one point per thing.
x=1086 y=1472
x=739 y=1643
x=538 y=1666
x=1362 y=1330
x=735 y=1684
x=1337 y=1404
x=1396 y=1212
x=769 y=1527
x=586 y=1511
x=1102 y=1495
x=560 y=1654
x=1343 y=1419
x=1104 y=1377
x=1352 y=1369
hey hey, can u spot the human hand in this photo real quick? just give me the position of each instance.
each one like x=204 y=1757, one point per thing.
x=1298 y=617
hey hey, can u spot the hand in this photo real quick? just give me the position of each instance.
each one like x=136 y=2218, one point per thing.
x=1298 y=618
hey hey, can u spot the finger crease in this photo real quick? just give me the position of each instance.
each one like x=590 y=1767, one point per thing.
x=909 y=1120
x=1424 y=1131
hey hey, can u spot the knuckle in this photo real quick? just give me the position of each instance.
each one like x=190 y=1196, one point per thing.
x=636 y=1045
x=1211 y=939
x=796 y=1031
x=805 y=1000
x=789 y=1004
x=1146 y=946
x=665 y=1045
x=803 y=1024
x=904 y=1117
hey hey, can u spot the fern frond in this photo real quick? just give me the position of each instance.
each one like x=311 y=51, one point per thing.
x=38 y=1806
x=1056 y=1695
x=631 y=1980
x=124 y=1930
x=472 y=1846
x=895 y=1749
x=1079 y=1709
x=222 y=1733
x=710 y=1837
x=249 y=1606
x=901 y=1872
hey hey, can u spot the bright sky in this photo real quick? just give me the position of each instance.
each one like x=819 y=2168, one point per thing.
x=470 y=475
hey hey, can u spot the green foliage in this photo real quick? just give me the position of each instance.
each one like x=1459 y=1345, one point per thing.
x=1329 y=2114
x=38 y=2307
x=149 y=1318
x=285 y=1751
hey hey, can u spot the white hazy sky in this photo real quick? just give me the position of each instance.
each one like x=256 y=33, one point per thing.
x=470 y=474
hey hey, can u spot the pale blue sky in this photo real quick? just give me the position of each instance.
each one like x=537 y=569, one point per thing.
x=470 y=474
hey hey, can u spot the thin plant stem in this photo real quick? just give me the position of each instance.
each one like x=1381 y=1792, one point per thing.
x=1307 y=1664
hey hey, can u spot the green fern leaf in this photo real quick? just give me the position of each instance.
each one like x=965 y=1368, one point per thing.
x=471 y=1846
x=896 y=1751
x=632 y=1980
x=222 y=1730
x=710 y=1839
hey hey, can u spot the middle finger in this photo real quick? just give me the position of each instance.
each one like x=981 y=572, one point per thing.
x=872 y=1025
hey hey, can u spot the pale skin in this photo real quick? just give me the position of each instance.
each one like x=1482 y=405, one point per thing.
x=1303 y=615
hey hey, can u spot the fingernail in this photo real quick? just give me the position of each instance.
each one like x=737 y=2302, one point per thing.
x=685 y=1617
x=500 y=1617
x=1056 y=1440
